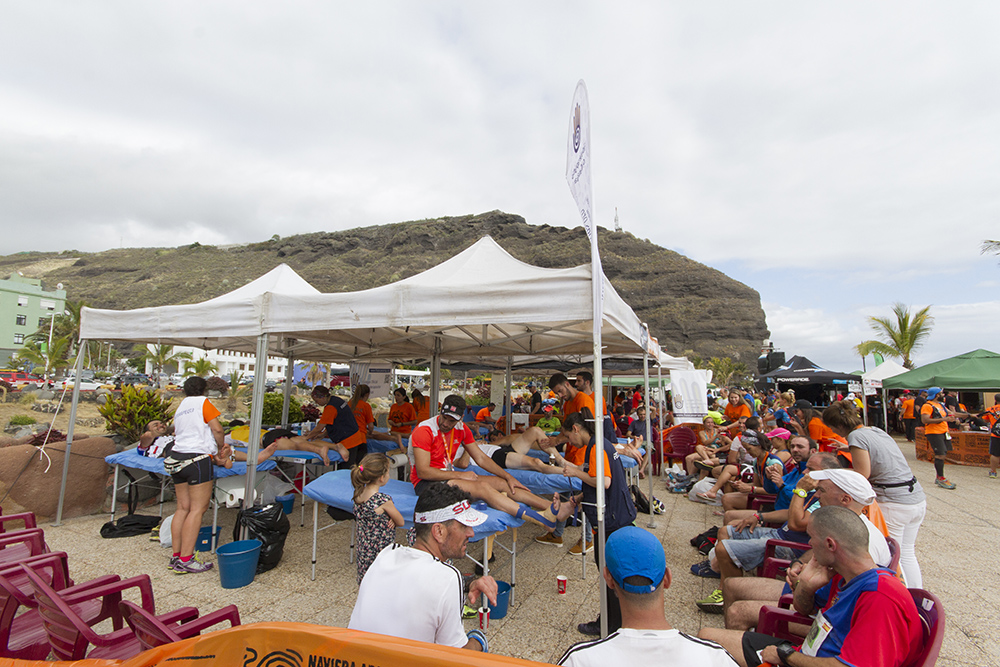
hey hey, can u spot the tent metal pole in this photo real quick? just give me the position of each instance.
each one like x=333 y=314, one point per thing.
x=435 y=376
x=649 y=429
x=508 y=403
x=69 y=436
x=287 y=398
x=256 y=417
x=659 y=411
x=885 y=412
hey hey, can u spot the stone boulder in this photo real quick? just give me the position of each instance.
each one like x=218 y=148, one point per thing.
x=35 y=490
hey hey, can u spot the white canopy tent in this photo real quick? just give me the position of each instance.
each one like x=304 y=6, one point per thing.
x=481 y=303
x=886 y=369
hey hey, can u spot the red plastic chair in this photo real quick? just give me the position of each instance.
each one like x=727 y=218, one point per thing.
x=70 y=636
x=681 y=441
x=22 y=634
x=152 y=632
x=774 y=567
x=18 y=545
x=27 y=518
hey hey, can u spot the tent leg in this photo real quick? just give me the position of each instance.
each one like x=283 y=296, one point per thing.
x=287 y=398
x=508 y=403
x=256 y=415
x=435 y=376
x=69 y=438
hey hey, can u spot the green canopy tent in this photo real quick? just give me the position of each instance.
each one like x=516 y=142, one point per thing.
x=978 y=370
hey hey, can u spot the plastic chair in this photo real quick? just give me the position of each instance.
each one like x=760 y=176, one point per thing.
x=681 y=441
x=22 y=635
x=773 y=567
x=894 y=554
x=18 y=545
x=152 y=632
x=27 y=518
x=70 y=636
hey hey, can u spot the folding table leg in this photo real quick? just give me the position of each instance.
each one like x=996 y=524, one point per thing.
x=114 y=494
x=302 y=521
x=513 y=562
x=315 y=527
x=583 y=536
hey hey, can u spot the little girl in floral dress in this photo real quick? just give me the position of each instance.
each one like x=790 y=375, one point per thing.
x=374 y=511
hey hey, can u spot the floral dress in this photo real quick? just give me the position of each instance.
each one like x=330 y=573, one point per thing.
x=375 y=531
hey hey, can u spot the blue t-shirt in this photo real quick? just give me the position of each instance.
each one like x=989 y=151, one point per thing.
x=769 y=486
x=784 y=498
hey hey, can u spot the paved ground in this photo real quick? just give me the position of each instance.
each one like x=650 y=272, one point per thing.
x=957 y=536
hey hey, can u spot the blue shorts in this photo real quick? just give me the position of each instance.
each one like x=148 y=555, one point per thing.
x=747 y=549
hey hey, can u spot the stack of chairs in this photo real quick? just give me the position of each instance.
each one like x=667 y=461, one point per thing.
x=43 y=611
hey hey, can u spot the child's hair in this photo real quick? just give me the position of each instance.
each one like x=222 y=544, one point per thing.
x=370 y=470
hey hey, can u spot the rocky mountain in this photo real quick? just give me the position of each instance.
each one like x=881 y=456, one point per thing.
x=689 y=306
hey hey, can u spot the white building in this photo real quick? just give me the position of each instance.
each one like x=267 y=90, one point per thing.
x=228 y=362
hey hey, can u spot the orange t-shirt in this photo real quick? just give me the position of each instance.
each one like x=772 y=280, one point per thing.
x=824 y=435
x=364 y=416
x=577 y=403
x=329 y=415
x=908 y=408
x=735 y=412
x=604 y=403
x=402 y=412
x=423 y=410
x=483 y=415
x=581 y=453
x=933 y=409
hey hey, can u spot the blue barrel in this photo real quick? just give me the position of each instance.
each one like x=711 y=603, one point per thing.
x=503 y=599
x=238 y=562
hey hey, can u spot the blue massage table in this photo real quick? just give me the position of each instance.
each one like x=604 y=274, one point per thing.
x=131 y=458
x=335 y=489
x=301 y=459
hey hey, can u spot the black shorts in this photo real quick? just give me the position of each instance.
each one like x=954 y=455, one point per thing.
x=754 y=642
x=939 y=443
x=500 y=456
x=355 y=454
x=195 y=473
x=994 y=446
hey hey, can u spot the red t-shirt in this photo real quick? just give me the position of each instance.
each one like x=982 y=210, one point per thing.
x=636 y=400
x=443 y=448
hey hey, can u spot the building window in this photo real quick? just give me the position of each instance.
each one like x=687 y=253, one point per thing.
x=270 y=369
x=251 y=368
x=18 y=339
x=43 y=321
x=21 y=320
x=22 y=301
x=243 y=367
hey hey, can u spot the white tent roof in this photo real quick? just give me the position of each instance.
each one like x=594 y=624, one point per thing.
x=232 y=321
x=480 y=303
x=886 y=369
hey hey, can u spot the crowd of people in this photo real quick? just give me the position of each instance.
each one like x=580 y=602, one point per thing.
x=838 y=494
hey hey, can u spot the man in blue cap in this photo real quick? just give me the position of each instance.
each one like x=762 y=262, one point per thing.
x=935 y=418
x=636 y=571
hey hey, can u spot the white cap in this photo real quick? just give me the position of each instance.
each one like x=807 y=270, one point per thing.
x=850 y=482
x=460 y=511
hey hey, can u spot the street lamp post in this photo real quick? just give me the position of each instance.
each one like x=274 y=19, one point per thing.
x=48 y=350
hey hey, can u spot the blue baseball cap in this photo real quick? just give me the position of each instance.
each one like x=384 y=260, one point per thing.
x=632 y=551
x=933 y=391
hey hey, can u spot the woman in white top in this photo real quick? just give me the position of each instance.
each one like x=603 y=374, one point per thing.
x=198 y=444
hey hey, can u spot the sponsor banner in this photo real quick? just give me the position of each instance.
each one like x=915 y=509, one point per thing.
x=689 y=390
x=376 y=374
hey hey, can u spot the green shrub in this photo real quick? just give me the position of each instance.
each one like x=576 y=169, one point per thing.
x=272 y=410
x=22 y=420
x=27 y=398
x=127 y=415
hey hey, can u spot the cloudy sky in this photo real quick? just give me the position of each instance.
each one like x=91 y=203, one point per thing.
x=837 y=157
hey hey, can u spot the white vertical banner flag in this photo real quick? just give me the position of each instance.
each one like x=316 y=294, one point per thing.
x=376 y=374
x=578 y=177
x=689 y=390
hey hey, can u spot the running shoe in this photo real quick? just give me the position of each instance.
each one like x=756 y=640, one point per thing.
x=173 y=562
x=704 y=569
x=713 y=603
x=193 y=566
x=993 y=474
x=593 y=628
x=944 y=483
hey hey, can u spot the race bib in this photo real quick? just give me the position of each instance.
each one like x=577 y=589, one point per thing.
x=817 y=635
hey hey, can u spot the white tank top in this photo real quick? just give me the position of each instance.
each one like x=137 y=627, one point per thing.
x=191 y=434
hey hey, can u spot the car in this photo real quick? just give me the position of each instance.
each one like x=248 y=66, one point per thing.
x=85 y=385
x=132 y=378
x=18 y=377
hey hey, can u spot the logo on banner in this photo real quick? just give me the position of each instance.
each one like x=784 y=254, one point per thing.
x=576 y=129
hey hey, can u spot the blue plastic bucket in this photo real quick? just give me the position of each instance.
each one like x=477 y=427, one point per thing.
x=204 y=542
x=238 y=562
x=503 y=599
x=287 y=502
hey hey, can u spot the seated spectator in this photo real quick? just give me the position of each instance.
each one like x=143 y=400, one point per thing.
x=833 y=486
x=864 y=614
x=713 y=445
x=440 y=443
x=636 y=572
x=759 y=447
x=802 y=447
x=415 y=592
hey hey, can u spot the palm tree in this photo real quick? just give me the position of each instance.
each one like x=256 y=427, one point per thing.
x=200 y=367
x=66 y=325
x=162 y=355
x=50 y=357
x=900 y=338
x=992 y=247
x=314 y=375
x=725 y=370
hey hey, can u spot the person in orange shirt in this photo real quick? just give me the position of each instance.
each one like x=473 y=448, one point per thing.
x=402 y=416
x=935 y=418
x=808 y=422
x=737 y=411
x=909 y=419
x=484 y=416
x=338 y=425
x=421 y=405
x=383 y=443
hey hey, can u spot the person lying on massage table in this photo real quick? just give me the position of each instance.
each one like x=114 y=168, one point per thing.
x=511 y=451
x=439 y=442
x=158 y=440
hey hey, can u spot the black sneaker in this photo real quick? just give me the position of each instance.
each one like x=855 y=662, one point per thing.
x=593 y=628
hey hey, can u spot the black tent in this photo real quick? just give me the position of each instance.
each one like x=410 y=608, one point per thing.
x=807 y=379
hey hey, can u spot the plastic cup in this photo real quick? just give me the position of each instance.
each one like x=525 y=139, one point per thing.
x=484 y=618
x=561 y=585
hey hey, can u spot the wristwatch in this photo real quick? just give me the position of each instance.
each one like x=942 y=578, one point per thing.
x=785 y=650
x=801 y=493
